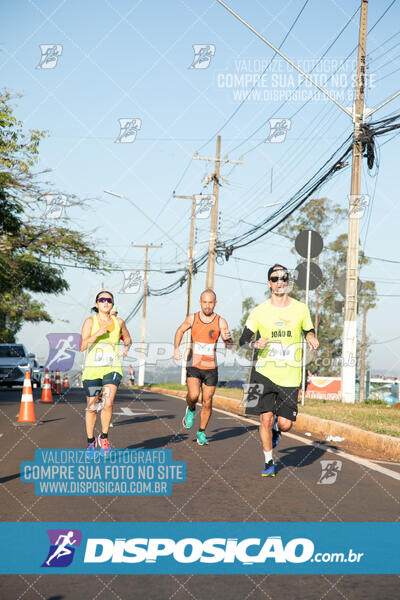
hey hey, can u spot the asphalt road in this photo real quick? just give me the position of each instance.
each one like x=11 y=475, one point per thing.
x=223 y=484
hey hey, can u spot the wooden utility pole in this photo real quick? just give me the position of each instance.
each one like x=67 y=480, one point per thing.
x=214 y=212
x=214 y=221
x=363 y=348
x=189 y=282
x=350 y=301
x=142 y=363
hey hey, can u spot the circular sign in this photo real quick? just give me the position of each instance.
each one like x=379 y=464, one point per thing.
x=316 y=277
x=316 y=243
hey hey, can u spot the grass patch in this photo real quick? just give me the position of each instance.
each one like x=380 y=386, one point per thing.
x=371 y=415
x=376 y=417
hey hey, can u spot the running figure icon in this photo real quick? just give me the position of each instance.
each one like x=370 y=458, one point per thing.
x=63 y=346
x=62 y=549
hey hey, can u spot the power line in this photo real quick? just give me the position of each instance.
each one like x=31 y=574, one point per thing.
x=385 y=341
x=292 y=92
x=397 y=262
x=256 y=84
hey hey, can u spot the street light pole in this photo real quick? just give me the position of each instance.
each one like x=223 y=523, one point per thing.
x=142 y=362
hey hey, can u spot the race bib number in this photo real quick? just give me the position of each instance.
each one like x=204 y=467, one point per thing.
x=204 y=349
x=103 y=356
x=281 y=352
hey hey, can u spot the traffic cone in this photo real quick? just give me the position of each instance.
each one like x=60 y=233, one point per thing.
x=58 y=387
x=52 y=385
x=46 y=390
x=66 y=382
x=26 y=412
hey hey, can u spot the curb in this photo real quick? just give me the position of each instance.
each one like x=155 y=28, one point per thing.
x=383 y=446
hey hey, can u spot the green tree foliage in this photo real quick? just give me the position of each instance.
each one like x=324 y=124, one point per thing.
x=29 y=244
x=247 y=306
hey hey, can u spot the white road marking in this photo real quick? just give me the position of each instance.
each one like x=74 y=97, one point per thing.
x=355 y=459
x=127 y=412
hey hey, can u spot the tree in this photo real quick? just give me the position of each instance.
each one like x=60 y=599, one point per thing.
x=368 y=302
x=28 y=245
x=247 y=306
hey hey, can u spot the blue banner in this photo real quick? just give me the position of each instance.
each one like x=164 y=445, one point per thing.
x=204 y=548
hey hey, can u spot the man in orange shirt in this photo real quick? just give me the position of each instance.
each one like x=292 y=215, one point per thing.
x=202 y=371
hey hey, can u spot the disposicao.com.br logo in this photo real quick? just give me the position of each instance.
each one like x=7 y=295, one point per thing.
x=248 y=551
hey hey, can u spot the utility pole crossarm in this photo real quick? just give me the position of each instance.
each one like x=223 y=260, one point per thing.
x=215 y=159
x=370 y=111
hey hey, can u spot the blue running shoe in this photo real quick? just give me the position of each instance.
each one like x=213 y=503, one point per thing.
x=201 y=438
x=91 y=449
x=276 y=434
x=269 y=469
x=187 y=420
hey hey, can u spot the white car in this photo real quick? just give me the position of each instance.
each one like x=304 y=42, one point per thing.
x=14 y=361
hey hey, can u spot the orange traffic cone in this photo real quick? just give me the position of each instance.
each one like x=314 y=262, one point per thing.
x=26 y=412
x=58 y=387
x=46 y=390
x=66 y=382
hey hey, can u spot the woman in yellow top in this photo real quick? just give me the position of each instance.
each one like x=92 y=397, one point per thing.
x=102 y=371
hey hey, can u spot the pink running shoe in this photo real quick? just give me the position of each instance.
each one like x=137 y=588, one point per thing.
x=103 y=443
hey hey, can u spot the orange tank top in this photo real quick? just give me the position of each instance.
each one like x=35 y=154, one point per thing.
x=203 y=342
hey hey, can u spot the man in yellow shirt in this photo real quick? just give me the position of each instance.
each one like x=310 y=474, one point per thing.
x=280 y=322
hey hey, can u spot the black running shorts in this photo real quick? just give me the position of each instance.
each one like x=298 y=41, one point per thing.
x=206 y=376
x=282 y=401
x=94 y=386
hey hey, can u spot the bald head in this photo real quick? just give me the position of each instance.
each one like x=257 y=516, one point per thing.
x=208 y=291
x=208 y=300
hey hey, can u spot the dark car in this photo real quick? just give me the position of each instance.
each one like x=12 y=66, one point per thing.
x=14 y=361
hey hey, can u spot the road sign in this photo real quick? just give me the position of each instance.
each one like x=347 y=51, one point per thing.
x=316 y=277
x=316 y=244
x=340 y=284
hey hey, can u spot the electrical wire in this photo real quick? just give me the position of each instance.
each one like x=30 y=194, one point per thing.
x=229 y=119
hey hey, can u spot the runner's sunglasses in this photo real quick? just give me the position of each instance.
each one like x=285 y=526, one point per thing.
x=275 y=278
x=105 y=300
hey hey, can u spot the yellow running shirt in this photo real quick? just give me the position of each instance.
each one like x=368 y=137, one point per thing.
x=102 y=357
x=280 y=360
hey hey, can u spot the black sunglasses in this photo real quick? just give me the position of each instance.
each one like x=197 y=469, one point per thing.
x=275 y=278
x=105 y=300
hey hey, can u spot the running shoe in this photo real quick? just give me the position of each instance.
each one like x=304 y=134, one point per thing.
x=103 y=444
x=187 y=420
x=276 y=434
x=201 y=438
x=91 y=448
x=269 y=469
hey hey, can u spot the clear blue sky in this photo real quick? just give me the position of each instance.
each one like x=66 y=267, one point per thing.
x=125 y=59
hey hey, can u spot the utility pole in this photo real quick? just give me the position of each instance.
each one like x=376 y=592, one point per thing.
x=142 y=362
x=214 y=211
x=363 y=348
x=350 y=300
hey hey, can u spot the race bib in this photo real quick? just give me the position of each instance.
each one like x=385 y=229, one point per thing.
x=280 y=352
x=204 y=349
x=103 y=356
